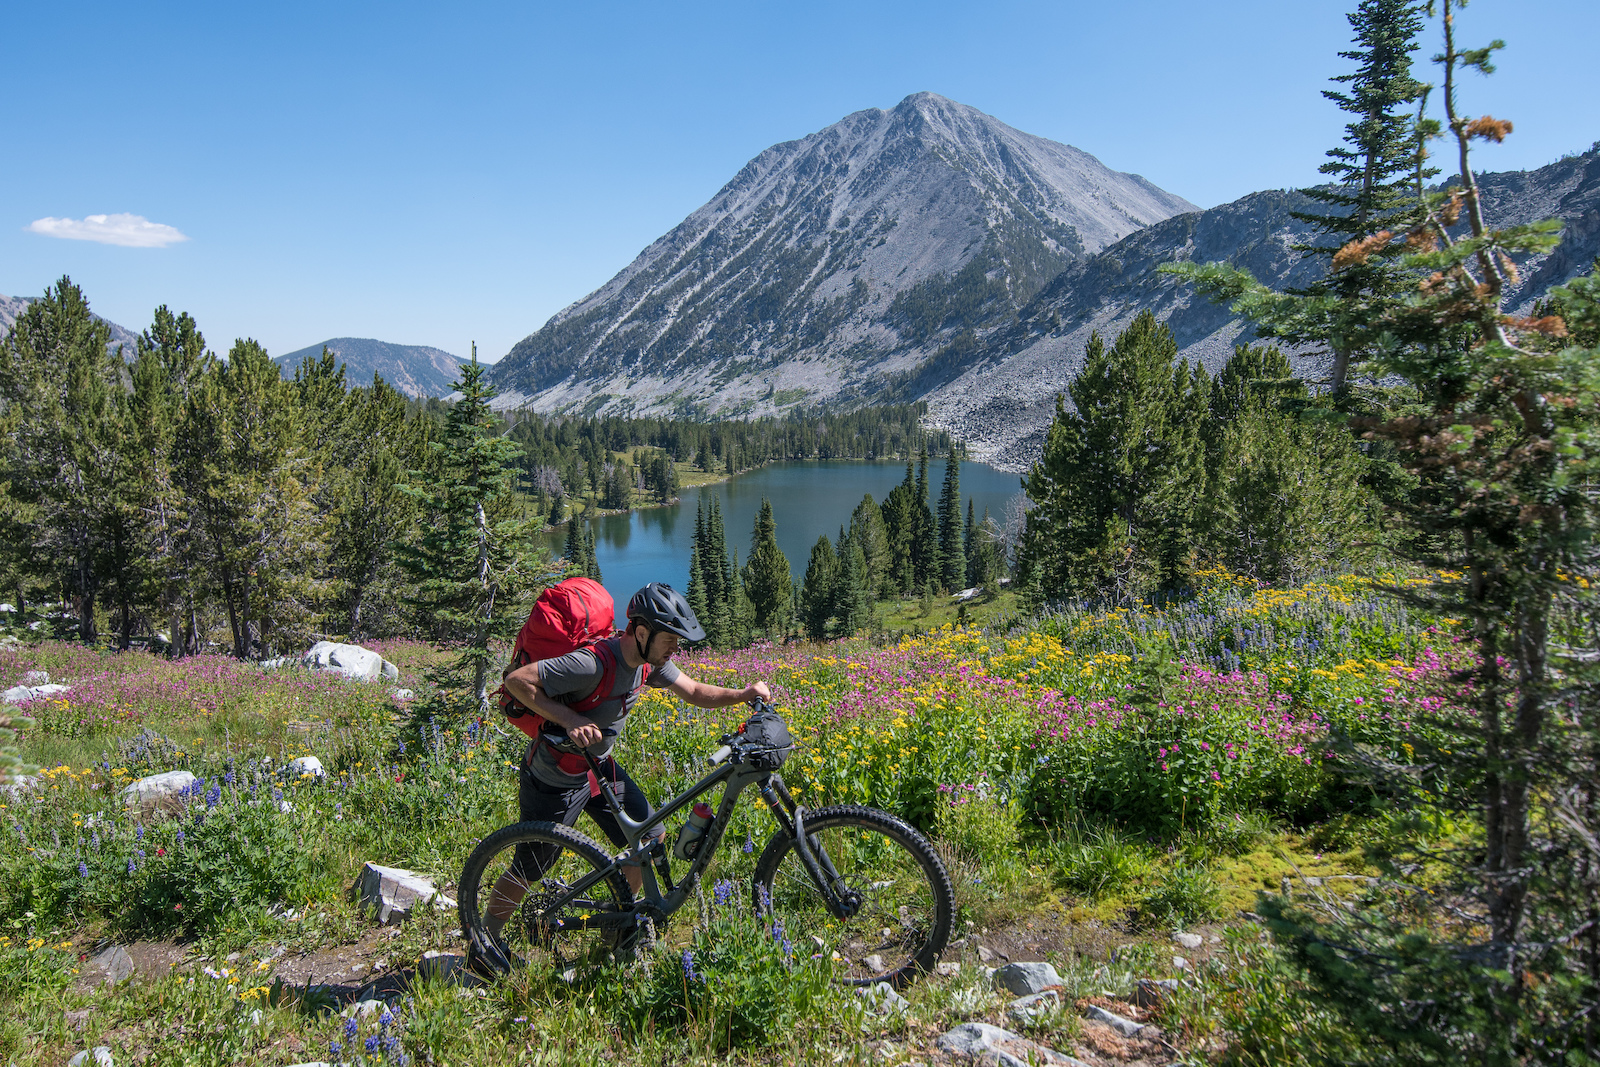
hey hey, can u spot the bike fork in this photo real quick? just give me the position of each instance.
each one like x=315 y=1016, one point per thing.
x=842 y=902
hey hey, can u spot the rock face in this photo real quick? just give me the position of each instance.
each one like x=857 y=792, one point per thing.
x=830 y=264
x=415 y=370
x=352 y=661
x=21 y=694
x=393 y=894
x=999 y=392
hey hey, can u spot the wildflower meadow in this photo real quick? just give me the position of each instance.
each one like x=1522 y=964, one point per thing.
x=1132 y=773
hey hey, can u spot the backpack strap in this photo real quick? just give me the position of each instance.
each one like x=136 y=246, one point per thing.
x=608 y=678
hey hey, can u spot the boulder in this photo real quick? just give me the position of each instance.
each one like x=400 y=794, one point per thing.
x=21 y=694
x=1026 y=1009
x=363 y=1008
x=8 y=608
x=99 y=1056
x=1125 y=1027
x=982 y=1043
x=302 y=766
x=1189 y=941
x=115 y=962
x=1152 y=991
x=402 y=695
x=393 y=894
x=157 y=786
x=440 y=965
x=1026 y=979
x=352 y=661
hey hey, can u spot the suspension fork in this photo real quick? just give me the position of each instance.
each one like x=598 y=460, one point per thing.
x=842 y=901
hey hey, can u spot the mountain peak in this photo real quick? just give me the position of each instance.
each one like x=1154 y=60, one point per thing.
x=414 y=370
x=830 y=264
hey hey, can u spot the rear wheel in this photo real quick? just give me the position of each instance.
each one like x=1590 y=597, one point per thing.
x=516 y=902
x=903 y=902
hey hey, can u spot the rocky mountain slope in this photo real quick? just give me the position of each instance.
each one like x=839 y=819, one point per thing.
x=832 y=264
x=999 y=392
x=415 y=370
x=11 y=307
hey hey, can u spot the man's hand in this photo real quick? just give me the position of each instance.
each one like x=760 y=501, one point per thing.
x=757 y=691
x=585 y=735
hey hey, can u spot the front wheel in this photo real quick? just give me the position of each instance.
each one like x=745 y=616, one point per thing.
x=516 y=898
x=904 y=904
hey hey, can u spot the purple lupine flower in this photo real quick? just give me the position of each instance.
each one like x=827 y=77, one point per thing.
x=372 y=1043
x=83 y=871
x=386 y=1019
x=749 y=844
x=138 y=833
x=94 y=841
x=350 y=1029
x=277 y=794
x=214 y=795
x=723 y=891
x=230 y=777
x=402 y=748
x=178 y=839
x=130 y=865
x=688 y=967
x=334 y=1048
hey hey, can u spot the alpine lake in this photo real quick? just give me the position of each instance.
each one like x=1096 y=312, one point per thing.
x=809 y=498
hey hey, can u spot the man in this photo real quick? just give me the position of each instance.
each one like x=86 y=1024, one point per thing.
x=557 y=784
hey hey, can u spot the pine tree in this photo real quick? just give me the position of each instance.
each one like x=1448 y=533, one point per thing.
x=817 y=589
x=766 y=577
x=56 y=374
x=952 y=546
x=1372 y=199
x=698 y=602
x=924 y=532
x=591 y=558
x=899 y=521
x=867 y=530
x=852 y=597
x=476 y=556
x=573 y=551
x=969 y=538
x=558 y=509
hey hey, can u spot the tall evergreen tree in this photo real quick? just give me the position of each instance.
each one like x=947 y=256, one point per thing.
x=952 y=544
x=1372 y=199
x=867 y=530
x=969 y=538
x=476 y=556
x=900 y=529
x=573 y=551
x=924 y=532
x=852 y=597
x=698 y=602
x=766 y=576
x=56 y=374
x=817 y=589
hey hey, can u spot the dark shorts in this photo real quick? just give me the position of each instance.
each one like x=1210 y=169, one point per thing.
x=539 y=802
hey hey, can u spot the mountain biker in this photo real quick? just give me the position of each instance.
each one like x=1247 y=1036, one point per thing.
x=556 y=782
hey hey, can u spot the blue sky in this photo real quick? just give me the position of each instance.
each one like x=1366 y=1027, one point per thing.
x=438 y=174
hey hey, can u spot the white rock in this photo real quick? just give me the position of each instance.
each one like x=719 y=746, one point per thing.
x=987 y=1044
x=274 y=664
x=1026 y=979
x=8 y=608
x=100 y=1056
x=882 y=999
x=352 y=661
x=1179 y=963
x=985 y=954
x=949 y=969
x=36 y=678
x=156 y=786
x=402 y=695
x=302 y=765
x=1152 y=991
x=1189 y=941
x=1125 y=1027
x=874 y=963
x=21 y=694
x=966 y=594
x=363 y=1008
x=394 y=893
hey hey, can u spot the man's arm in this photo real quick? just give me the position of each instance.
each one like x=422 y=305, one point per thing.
x=702 y=695
x=523 y=684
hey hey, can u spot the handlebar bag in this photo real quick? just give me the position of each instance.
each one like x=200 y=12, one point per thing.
x=766 y=737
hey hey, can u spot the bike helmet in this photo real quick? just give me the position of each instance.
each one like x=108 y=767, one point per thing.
x=661 y=607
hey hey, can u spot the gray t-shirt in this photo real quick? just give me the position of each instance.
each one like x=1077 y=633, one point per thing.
x=571 y=678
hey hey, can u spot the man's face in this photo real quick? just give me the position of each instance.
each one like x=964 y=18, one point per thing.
x=660 y=648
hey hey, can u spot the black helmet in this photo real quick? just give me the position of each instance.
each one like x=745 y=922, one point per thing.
x=661 y=607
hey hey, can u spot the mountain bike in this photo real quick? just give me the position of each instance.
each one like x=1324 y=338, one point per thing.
x=853 y=883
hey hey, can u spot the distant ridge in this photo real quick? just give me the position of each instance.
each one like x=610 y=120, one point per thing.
x=11 y=307
x=415 y=370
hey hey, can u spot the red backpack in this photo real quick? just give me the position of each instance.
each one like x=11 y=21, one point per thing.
x=572 y=614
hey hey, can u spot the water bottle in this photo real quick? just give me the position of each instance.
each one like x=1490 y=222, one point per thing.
x=693 y=832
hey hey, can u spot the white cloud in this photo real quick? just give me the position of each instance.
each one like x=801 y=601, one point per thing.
x=130 y=231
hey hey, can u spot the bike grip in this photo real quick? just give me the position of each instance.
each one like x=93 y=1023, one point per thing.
x=721 y=754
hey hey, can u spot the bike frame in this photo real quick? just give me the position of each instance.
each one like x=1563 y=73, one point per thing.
x=652 y=901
